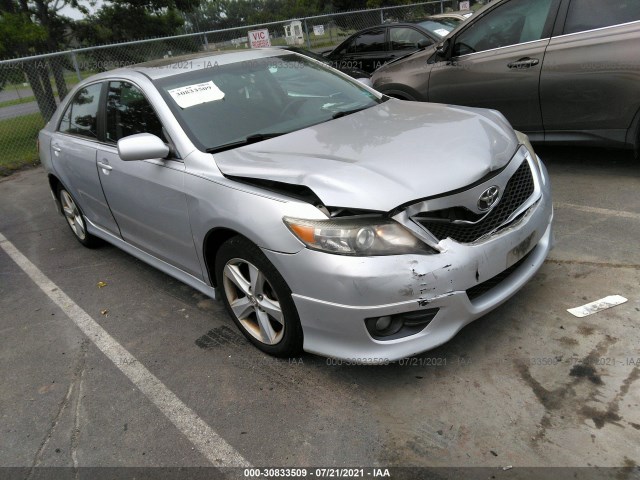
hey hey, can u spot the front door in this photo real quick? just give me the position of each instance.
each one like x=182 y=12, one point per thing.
x=146 y=196
x=366 y=51
x=496 y=62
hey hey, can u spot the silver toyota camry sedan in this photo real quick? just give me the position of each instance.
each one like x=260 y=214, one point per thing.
x=327 y=217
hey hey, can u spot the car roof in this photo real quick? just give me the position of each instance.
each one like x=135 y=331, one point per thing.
x=167 y=67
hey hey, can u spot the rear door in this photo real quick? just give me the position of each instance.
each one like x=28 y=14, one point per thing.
x=146 y=196
x=496 y=62
x=73 y=153
x=591 y=75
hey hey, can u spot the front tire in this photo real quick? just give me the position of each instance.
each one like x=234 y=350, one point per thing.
x=257 y=298
x=75 y=219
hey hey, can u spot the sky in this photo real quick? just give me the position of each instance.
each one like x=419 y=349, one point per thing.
x=75 y=14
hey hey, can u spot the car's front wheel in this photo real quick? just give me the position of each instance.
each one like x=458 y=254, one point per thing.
x=75 y=219
x=257 y=298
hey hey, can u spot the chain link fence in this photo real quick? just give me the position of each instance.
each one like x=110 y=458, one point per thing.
x=32 y=87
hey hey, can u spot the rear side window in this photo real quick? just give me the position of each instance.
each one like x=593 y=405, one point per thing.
x=591 y=14
x=129 y=112
x=81 y=116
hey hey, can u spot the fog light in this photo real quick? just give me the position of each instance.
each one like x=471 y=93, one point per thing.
x=391 y=327
x=383 y=323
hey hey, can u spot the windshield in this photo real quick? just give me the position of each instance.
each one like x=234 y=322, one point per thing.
x=440 y=26
x=226 y=106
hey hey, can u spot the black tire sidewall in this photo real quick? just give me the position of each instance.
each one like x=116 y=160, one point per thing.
x=240 y=247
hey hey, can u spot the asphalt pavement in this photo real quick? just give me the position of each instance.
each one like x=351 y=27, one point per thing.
x=19 y=110
x=84 y=333
x=11 y=93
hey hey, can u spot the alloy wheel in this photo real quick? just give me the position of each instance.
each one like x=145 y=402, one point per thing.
x=253 y=301
x=73 y=215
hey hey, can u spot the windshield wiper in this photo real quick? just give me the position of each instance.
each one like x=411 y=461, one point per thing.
x=254 y=138
x=348 y=112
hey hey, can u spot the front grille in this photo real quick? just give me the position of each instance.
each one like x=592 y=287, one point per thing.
x=484 y=287
x=518 y=189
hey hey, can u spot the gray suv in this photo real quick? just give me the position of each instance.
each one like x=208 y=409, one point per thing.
x=562 y=71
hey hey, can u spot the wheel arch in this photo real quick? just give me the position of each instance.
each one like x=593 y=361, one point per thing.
x=402 y=92
x=633 y=134
x=213 y=240
x=55 y=184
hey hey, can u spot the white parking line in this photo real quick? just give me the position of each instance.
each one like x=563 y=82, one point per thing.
x=600 y=211
x=201 y=435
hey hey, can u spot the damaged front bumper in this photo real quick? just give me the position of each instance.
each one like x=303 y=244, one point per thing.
x=337 y=296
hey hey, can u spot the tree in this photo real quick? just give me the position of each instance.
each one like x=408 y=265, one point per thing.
x=17 y=33
x=29 y=27
x=125 y=20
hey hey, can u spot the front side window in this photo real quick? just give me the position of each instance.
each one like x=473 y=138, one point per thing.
x=347 y=47
x=81 y=116
x=591 y=14
x=514 y=22
x=403 y=38
x=370 y=41
x=129 y=112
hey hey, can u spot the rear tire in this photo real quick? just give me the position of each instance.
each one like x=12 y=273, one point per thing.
x=75 y=219
x=257 y=298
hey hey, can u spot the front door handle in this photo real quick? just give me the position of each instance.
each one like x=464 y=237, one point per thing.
x=56 y=149
x=524 y=63
x=106 y=168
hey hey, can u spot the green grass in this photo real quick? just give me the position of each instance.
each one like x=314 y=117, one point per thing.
x=18 y=142
x=17 y=101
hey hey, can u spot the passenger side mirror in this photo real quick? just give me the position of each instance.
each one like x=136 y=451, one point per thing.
x=442 y=48
x=424 y=43
x=142 y=146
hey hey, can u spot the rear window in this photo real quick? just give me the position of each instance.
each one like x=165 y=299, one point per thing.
x=440 y=26
x=591 y=14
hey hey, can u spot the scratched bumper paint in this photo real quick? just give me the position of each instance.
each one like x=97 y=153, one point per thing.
x=336 y=293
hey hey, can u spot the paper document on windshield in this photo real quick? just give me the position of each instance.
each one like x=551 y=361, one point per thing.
x=191 y=95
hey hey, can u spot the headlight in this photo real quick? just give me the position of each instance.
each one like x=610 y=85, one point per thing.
x=360 y=237
x=524 y=140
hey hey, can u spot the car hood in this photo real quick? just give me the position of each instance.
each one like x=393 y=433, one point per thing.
x=382 y=157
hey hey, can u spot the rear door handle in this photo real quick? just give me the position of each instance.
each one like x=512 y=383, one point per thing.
x=524 y=63
x=56 y=149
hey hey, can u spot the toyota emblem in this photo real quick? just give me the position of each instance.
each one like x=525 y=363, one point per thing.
x=488 y=198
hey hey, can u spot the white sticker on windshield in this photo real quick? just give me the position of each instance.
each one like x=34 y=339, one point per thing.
x=196 y=94
x=442 y=32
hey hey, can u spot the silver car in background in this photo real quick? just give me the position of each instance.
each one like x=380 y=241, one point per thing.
x=326 y=216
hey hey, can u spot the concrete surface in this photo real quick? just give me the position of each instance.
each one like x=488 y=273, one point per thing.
x=527 y=385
